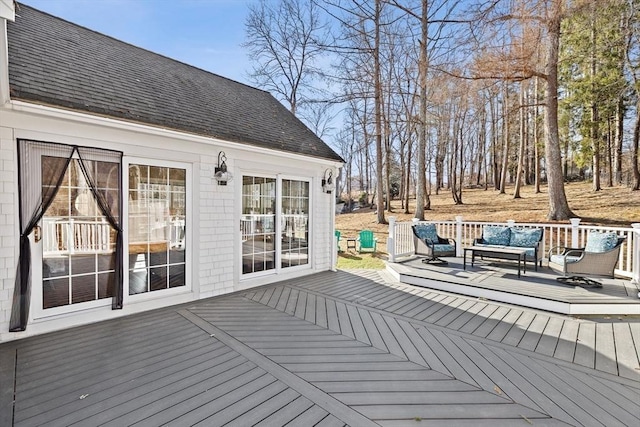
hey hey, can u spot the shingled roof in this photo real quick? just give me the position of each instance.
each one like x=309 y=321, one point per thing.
x=58 y=63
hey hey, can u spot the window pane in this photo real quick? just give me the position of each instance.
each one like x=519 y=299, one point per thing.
x=81 y=264
x=158 y=278
x=106 y=285
x=83 y=288
x=55 y=292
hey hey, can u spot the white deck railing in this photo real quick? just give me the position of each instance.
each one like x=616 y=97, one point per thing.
x=72 y=236
x=400 y=240
x=63 y=236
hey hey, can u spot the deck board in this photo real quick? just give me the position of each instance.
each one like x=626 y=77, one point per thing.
x=586 y=345
x=626 y=354
x=605 y=351
x=550 y=336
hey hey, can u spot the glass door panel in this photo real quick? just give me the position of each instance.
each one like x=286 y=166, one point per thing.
x=157 y=221
x=294 y=221
x=78 y=244
x=258 y=224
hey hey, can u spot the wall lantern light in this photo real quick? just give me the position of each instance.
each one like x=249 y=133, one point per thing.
x=221 y=174
x=327 y=182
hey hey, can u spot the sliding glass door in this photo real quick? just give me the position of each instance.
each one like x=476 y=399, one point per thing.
x=274 y=223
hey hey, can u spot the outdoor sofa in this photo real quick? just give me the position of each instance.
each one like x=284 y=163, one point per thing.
x=496 y=236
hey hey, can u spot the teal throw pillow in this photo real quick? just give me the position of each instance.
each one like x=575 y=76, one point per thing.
x=496 y=235
x=525 y=237
x=426 y=232
x=600 y=242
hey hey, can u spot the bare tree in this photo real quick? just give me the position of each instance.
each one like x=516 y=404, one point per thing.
x=285 y=40
x=516 y=63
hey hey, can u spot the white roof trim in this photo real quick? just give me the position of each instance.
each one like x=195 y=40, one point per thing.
x=62 y=114
x=7 y=10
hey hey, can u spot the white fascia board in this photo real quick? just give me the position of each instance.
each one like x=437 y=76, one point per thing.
x=70 y=115
x=4 y=62
x=7 y=10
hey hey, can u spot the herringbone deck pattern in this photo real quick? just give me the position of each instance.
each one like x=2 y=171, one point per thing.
x=330 y=349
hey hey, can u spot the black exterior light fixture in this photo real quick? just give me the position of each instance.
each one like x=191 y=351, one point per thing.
x=221 y=174
x=327 y=182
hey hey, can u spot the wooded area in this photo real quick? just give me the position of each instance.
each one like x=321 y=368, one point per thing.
x=423 y=96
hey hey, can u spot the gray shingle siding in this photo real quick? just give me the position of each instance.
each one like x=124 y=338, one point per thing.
x=55 y=62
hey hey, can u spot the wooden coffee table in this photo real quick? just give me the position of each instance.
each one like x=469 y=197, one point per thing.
x=501 y=253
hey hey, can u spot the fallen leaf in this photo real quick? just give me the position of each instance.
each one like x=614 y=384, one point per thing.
x=526 y=419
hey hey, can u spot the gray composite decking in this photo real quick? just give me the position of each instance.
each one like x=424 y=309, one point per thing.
x=538 y=289
x=332 y=349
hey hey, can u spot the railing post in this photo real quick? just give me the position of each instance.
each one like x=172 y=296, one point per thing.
x=575 y=222
x=391 y=247
x=635 y=261
x=334 y=252
x=459 y=249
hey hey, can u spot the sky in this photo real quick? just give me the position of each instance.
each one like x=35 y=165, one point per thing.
x=204 y=33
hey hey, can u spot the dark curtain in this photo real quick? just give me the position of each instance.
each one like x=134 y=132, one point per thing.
x=35 y=198
x=108 y=199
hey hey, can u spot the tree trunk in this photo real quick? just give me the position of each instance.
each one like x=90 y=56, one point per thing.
x=634 y=150
x=523 y=141
x=505 y=150
x=378 y=115
x=536 y=139
x=618 y=142
x=558 y=206
x=595 y=119
x=422 y=198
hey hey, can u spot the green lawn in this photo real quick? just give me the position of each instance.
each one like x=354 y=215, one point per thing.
x=353 y=260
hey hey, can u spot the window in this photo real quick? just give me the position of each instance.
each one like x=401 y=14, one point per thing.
x=157 y=224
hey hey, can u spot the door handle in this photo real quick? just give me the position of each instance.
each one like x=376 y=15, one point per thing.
x=37 y=233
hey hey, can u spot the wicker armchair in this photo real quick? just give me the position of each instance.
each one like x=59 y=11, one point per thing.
x=598 y=258
x=427 y=243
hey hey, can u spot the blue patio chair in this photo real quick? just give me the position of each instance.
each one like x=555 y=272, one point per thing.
x=337 y=233
x=366 y=242
x=598 y=258
x=427 y=243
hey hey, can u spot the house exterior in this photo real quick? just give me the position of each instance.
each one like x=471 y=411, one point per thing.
x=131 y=181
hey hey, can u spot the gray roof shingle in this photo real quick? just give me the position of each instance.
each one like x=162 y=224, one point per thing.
x=55 y=62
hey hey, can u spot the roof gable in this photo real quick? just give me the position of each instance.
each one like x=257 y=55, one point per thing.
x=55 y=62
